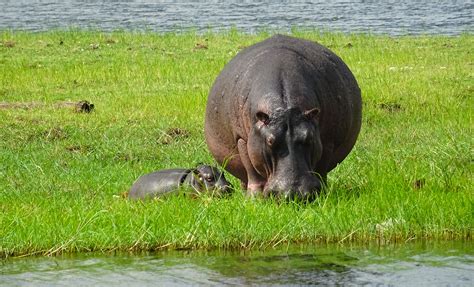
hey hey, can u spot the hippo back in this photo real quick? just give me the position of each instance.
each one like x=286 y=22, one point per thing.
x=157 y=183
x=313 y=76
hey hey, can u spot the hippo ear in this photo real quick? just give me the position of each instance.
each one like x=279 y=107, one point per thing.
x=263 y=117
x=196 y=175
x=195 y=171
x=199 y=164
x=312 y=114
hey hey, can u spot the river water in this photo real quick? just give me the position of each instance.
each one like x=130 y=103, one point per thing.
x=386 y=17
x=413 y=264
x=410 y=264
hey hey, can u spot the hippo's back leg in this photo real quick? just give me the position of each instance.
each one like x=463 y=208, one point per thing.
x=228 y=158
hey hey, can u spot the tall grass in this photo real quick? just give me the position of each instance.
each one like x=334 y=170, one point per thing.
x=62 y=173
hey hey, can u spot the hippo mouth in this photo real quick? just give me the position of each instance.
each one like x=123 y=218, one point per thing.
x=305 y=188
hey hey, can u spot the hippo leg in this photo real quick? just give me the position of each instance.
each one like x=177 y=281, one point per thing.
x=255 y=182
x=324 y=165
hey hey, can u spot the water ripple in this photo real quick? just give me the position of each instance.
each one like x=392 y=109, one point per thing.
x=416 y=264
x=387 y=17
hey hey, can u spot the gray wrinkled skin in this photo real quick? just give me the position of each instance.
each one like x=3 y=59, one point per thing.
x=202 y=179
x=281 y=115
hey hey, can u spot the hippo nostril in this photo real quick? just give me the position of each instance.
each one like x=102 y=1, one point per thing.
x=225 y=189
x=310 y=196
x=271 y=192
x=306 y=188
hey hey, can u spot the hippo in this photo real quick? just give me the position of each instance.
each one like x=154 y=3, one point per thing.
x=281 y=115
x=203 y=178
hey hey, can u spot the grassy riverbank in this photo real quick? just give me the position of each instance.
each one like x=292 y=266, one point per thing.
x=62 y=173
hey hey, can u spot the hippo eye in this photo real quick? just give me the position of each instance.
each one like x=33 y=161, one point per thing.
x=263 y=117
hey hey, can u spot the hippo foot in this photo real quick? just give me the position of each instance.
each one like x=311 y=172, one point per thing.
x=254 y=190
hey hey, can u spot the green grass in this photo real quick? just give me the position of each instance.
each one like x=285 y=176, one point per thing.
x=61 y=173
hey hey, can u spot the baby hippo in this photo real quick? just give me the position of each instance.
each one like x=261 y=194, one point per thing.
x=203 y=178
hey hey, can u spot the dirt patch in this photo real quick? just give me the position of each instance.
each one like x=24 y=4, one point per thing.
x=391 y=107
x=126 y=157
x=25 y=106
x=8 y=43
x=447 y=45
x=53 y=134
x=111 y=41
x=35 y=65
x=419 y=183
x=348 y=45
x=83 y=107
x=200 y=46
x=78 y=107
x=80 y=149
x=173 y=134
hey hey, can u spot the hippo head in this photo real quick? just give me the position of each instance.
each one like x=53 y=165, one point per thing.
x=284 y=147
x=209 y=178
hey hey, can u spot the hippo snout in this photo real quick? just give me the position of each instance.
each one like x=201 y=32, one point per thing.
x=211 y=179
x=305 y=188
x=223 y=186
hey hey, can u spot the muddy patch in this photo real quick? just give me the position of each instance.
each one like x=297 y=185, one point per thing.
x=110 y=41
x=8 y=43
x=82 y=149
x=201 y=46
x=78 y=107
x=173 y=134
x=391 y=107
x=82 y=107
x=34 y=65
x=419 y=183
x=25 y=106
x=126 y=157
x=50 y=134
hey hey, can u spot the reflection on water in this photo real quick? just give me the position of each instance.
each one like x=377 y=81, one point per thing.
x=388 y=17
x=415 y=264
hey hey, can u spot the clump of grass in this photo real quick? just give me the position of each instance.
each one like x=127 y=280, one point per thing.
x=409 y=176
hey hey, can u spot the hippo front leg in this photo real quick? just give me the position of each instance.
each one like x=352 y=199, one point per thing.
x=255 y=182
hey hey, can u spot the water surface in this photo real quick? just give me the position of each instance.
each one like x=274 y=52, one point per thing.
x=414 y=264
x=387 y=17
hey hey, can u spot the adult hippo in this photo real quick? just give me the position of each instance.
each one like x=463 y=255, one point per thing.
x=203 y=178
x=281 y=115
